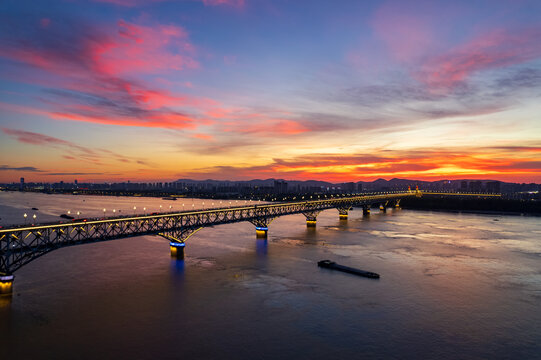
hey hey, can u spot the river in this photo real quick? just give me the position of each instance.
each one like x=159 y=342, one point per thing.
x=452 y=286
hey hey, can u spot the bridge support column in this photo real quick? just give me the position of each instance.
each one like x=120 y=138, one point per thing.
x=262 y=226
x=177 y=240
x=366 y=210
x=383 y=207
x=311 y=218
x=6 y=285
x=343 y=213
x=311 y=221
x=261 y=232
x=177 y=249
x=397 y=203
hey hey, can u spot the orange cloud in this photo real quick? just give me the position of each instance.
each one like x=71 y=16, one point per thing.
x=418 y=164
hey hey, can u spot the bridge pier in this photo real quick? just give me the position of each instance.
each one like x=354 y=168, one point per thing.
x=383 y=207
x=177 y=240
x=261 y=232
x=343 y=212
x=262 y=226
x=6 y=285
x=177 y=249
x=311 y=218
x=397 y=203
x=366 y=210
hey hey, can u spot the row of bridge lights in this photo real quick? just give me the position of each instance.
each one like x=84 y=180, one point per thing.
x=145 y=208
x=184 y=206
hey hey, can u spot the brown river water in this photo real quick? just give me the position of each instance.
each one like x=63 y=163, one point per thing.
x=452 y=286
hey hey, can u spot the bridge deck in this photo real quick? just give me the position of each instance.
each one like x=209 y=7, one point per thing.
x=20 y=245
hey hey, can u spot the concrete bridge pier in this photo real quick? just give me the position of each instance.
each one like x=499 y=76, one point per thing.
x=383 y=207
x=262 y=226
x=343 y=213
x=397 y=203
x=6 y=285
x=261 y=232
x=177 y=249
x=366 y=210
x=311 y=218
x=177 y=240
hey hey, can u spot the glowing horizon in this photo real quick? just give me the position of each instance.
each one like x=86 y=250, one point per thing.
x=117 y=90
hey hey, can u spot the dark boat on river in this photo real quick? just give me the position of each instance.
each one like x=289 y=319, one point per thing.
x=65 y=216
x=334 y=266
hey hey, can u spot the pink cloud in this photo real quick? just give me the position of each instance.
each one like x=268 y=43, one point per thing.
x=491 y=50
x=127 y=3
x=144 y=49
x=406 y=34
x=87 y=68
x=234 y=3
x=242 y=120
x=45 y=22
x=203 y=137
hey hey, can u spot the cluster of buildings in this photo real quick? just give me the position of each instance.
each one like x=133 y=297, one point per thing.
x=271 y=187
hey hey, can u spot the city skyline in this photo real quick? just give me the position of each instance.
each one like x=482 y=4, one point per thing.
x=116 y=90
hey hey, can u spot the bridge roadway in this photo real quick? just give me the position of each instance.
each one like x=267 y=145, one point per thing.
x=20 y=245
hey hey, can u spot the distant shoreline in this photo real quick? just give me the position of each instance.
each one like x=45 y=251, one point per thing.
x=478 y=212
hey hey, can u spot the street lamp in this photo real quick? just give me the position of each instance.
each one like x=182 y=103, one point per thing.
x=78 y=213
x=145 y=210
x=134 y=208
x=34 y=217
x=25 y=215
x=103 y=212
x=114 y=211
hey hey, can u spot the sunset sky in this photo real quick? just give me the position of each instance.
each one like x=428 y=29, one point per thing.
x=141 y=90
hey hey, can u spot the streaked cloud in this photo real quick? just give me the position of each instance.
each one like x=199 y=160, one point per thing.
x=240 y=89
x=20 y=168
x=74 y=151
x=495 y=49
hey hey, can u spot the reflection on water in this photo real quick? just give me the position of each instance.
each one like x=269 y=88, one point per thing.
x=452 y=286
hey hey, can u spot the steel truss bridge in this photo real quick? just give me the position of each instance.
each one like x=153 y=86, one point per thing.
x=21 y=245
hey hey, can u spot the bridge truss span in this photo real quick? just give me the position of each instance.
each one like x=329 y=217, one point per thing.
x=20 y=245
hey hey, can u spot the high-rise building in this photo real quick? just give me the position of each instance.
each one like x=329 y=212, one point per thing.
x=280 y=187
x=493 y=186
x=21 y=185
